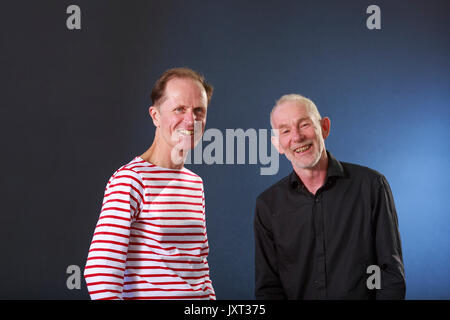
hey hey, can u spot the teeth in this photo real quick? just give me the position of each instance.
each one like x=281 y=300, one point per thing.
x=186 y=132
x=302 y=149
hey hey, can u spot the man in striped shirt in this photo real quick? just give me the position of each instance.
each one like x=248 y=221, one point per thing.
x=150 y=241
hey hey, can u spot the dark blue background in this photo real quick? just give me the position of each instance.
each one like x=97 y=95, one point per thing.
x=74 y=108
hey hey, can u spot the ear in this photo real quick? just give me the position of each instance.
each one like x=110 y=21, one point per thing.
x=325 y=124
x=155 y=115
x=276 y=143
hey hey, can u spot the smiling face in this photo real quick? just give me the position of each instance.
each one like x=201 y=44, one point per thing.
x=180 y=117
x=300 y=134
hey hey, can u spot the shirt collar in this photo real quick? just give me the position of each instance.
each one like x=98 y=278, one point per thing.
x=335 y=169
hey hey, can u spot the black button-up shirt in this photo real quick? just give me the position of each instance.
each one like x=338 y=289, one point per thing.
x=320 y=246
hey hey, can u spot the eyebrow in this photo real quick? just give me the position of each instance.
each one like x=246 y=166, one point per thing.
x=304 y=119
x=284 y=125
x=185 y=106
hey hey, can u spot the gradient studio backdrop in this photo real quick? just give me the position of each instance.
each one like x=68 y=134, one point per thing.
x=74 y=109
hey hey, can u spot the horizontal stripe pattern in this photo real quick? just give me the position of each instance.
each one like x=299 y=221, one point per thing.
x=150 y=241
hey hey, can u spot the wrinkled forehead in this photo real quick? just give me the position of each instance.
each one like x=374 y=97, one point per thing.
x=287 y=112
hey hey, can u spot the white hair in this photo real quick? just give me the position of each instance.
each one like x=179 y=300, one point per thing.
x=296 y=98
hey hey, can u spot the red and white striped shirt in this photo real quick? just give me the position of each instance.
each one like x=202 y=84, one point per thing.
x=150 y=241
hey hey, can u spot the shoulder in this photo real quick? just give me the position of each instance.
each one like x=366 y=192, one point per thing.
x=274 y=191
x=128 y=173
x=353 y=170
x=188 y=173
x=364 y=177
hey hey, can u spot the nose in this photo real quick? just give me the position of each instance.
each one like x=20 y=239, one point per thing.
x=297 y=135
x=189 y=117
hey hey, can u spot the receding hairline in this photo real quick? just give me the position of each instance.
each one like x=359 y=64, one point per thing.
x=293 y=97
x=159 y=88
x=163 y=97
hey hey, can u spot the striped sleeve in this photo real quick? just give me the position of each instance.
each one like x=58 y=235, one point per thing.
x=212 y=295
x=105 y=266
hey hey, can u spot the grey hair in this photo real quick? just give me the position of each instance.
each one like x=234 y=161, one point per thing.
x=296 y=98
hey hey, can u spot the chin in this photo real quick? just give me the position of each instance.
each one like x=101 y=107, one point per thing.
x=306 y=164
x=185 y=143
x=303 y=165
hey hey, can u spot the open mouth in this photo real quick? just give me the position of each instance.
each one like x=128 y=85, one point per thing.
x=186 y=132
x=303 y=149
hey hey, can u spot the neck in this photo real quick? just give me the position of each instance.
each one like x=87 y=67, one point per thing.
x=161 y=155
x=314 y=178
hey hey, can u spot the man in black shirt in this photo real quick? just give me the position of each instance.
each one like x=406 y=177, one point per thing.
x=329 y=230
